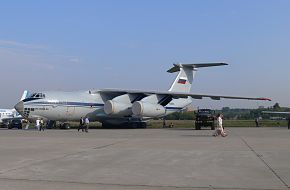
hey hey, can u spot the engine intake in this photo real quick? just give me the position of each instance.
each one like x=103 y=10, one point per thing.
x=117 y=108
x=144 y=109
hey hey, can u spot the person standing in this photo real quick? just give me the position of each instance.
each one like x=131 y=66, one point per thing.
x=41 y=125
x=87 y=122
x=164 y=123
x=37 y=124
x=81 y=126
x=26 y=124
x=219 y=129
x=257 y=122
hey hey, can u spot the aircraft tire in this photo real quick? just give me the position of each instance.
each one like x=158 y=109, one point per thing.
x=65 y=126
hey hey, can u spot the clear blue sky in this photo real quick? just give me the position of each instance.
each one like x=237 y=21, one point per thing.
x=78 y=45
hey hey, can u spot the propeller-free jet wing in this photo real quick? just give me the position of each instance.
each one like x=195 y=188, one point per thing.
x=117 y=107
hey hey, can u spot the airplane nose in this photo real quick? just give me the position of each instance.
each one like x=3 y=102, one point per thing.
x=19 y=107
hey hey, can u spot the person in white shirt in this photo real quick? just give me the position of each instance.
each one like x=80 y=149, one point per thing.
x=37 y=124
x=87 y=122
x=219 y=128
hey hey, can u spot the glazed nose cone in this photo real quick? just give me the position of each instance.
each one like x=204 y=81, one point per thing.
x=19 y=107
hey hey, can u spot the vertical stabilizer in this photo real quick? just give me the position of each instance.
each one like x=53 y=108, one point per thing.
x=24 y=95
x=184 y=79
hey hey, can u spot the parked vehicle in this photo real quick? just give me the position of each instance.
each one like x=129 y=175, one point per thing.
x=15 y=123
x=205 y=118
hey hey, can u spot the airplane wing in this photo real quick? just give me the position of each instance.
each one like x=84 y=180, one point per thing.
x=175 y=94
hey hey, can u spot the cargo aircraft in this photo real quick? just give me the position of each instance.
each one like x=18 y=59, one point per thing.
x=118 y=107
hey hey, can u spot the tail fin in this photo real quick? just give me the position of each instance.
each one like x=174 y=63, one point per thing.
x=184 y=79
x=24 y=95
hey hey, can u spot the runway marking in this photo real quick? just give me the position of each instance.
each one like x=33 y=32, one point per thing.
x=265 y=163
x=132 y=185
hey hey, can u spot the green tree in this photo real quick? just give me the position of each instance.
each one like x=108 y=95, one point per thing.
x=276 y=106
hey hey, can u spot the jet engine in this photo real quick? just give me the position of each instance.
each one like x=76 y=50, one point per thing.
x=144 y=109
x=117 y=108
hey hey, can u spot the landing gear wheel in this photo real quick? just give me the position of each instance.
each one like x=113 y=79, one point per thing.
x=65 y=126
x=106 y=125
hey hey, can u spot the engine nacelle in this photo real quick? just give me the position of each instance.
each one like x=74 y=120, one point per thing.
x=117 y=108
x=144 y=109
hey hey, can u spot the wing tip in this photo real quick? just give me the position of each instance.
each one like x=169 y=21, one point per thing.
x=265 y=99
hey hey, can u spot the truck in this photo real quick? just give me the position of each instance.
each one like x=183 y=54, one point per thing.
x=205 y=118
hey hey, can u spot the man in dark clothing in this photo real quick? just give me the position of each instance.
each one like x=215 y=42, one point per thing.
x=81 y=126
x=164 y=123
x=257 y=122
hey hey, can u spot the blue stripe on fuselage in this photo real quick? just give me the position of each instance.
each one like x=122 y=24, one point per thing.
x=63 y=103
x=79 y=104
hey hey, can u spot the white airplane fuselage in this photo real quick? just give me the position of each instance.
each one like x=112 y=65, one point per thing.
x=71 y=106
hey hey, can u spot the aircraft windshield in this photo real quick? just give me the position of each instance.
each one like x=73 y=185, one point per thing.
x=37 y=95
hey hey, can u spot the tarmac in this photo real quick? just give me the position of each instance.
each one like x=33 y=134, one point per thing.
x=145 y=159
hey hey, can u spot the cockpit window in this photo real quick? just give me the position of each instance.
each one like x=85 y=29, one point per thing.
x=37 y=95
x=32 y=95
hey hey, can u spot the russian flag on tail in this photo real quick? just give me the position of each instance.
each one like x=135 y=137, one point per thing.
x=182 y=81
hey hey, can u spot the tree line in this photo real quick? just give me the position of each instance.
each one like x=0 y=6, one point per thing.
x=234 y=113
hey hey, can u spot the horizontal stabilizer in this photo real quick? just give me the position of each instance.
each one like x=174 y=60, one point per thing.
x=177 y=67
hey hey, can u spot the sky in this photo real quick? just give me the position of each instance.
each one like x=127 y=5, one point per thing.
x=79 y=45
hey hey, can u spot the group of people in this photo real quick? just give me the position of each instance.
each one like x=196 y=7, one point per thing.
x=39 y=124
x=84 y=124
